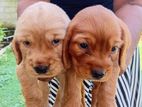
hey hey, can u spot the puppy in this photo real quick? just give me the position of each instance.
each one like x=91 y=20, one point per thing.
x=37 y=46
x=95 y=48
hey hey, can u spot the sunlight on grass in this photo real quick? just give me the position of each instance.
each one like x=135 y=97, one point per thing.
x=140 y=46
x=10 y=93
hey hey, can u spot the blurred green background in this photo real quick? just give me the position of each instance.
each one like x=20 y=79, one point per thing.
x=10 y=93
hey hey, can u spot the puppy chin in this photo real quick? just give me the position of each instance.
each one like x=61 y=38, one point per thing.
x=44 y=78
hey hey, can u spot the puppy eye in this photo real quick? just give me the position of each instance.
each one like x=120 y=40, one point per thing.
x=115 y=49
x=27 y=43
x=83 y=45
x=55 y=42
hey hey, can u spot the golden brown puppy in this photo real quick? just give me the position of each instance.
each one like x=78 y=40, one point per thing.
x=95 y=48
x=37 y=45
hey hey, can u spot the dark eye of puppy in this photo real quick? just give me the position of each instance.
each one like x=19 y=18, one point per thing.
x=55 y=42
x=26 y=43
x=115 y=49
x=83 y=45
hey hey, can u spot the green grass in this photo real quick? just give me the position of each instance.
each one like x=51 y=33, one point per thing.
x=140 y=46
x=10 y=94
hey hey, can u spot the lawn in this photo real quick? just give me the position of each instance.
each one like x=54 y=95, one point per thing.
x=140 y=45
x=10 y=94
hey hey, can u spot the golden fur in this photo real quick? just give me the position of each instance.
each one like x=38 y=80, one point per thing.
x=37 y=46
x=95 y=48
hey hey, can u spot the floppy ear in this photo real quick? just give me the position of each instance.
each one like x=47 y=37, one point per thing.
x=17 y=51
x=66 y=57
x=126 y=38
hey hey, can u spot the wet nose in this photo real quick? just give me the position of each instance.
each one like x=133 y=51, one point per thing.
x=41 y=69
x=98 y=73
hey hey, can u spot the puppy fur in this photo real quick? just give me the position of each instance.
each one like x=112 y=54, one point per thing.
x=95 y=48
x=37 y=46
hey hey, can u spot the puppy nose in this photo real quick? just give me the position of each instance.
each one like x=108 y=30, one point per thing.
x=41 y=69
x=98 y=73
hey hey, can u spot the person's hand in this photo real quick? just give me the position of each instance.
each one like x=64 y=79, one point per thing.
x=23 y=4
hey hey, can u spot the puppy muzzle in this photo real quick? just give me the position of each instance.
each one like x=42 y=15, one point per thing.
x=98 y=73
x=41 y=69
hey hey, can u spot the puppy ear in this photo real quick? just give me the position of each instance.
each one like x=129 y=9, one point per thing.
x=125 y=36
x=17 y=51
x=66 y=57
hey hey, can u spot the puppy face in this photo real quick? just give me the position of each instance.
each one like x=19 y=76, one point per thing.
x=95 y=43
x=38 y=40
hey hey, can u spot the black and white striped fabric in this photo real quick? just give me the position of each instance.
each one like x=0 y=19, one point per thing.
x=129 y=88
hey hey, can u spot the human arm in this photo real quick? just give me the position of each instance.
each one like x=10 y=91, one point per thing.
x=22 y=4
x=130 y=11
